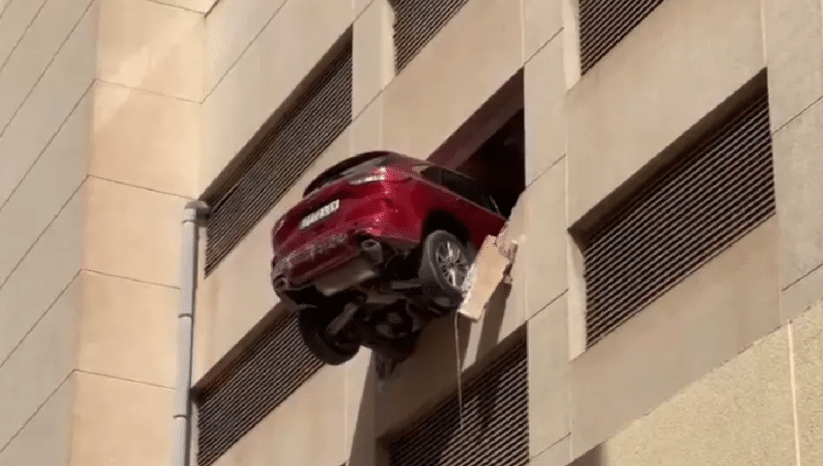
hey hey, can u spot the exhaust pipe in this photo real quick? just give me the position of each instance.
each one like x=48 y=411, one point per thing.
x=373 y=250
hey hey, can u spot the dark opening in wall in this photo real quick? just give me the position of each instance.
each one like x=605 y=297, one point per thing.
x=499 y=164
x=416 y=22
x=696 y=205
x=604 y=23
x=490 y=145
x=495 y=418
x=269 y=165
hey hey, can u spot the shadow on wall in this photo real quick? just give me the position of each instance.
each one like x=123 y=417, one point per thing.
x=428 y=377
x=364 y=446
x=594 y=457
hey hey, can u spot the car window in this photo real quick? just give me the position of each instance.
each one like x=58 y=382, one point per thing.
x=467 y=188
x=461 y=185
x=362 y=167
x=430 y=173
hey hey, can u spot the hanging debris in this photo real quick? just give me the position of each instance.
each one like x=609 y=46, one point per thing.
x=492 y=265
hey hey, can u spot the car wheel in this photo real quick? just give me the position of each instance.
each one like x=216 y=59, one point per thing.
x=312 y=323
x=444 y=265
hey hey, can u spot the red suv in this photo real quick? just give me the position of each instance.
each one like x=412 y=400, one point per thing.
x=378 y=246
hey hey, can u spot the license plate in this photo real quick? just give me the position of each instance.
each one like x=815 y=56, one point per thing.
x=320 y=214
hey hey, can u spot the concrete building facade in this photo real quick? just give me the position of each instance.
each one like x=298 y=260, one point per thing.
x=630 y=335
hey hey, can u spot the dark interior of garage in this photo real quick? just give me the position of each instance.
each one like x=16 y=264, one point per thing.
x=499 y=163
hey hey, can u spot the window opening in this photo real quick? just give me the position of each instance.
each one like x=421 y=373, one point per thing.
x=498 y=167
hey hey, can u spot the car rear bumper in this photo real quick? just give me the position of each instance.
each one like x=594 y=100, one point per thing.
x=339 y=253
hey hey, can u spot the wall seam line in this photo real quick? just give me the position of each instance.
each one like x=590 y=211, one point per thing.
x=132 y=185
x=23 y=35
x=799 y=114
x=557 y=442
x=46 y=69
x=136 y=280
x=180 y=7
x=46 y=147
x=5 y=7
x=545 y=170
x=547 y=305
x=39 y=319
x=360 y=13
x=148 y=91
x=122 y=379
x=803 y=277
x=554 y=36
x=36 y=411
x=242 y=53
x=42 y=233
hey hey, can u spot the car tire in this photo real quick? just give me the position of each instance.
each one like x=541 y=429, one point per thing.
x=444 y=264
x=312 y=323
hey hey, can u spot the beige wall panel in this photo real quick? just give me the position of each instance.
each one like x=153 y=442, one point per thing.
x=15 y=20
x=682 y=61
x=231 y=27
x=740 y=413
x=119 y=422
x=545 y=119
x=695 y=327
x=45 y=272
x=799 y=297
x=200 y=6
x=45 y=439
x=42 y=361
x=549 y=416
x=808 y=348
x=131 y=232
x=151 y=46
x=51 y=102
x=428 y=101
x=794 y=43
x=543 y=252
x=145 y=139
x=45 y=39
x=367 y=128
x=53 y=179
x=798 y=173
x=360 y=6
x=129 y=329
x=373 y=53
x=559 y=454
x=542 y=20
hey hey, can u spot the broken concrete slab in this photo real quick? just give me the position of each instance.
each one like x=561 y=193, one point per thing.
x=492 y=265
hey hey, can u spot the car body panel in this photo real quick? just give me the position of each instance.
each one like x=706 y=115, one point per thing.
x=391 y=207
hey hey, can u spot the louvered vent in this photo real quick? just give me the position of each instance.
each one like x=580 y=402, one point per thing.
x=713 y=194
x=604 y=23
x=272 y=166
x=267 y=372
x=495 y=427
x=416 y=23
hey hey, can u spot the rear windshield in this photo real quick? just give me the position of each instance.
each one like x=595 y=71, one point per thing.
x=347 y=168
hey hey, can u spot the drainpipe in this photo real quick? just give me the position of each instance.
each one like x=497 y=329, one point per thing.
x=193 y=214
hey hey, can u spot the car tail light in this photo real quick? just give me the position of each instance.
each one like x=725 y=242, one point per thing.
x=379 y=175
